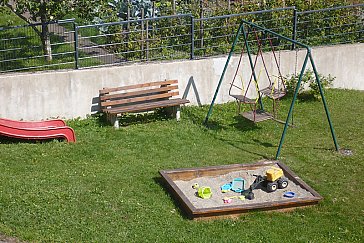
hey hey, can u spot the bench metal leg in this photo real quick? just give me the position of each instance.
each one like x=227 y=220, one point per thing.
x=178 y=113
x=114 y=120
x=116 y=123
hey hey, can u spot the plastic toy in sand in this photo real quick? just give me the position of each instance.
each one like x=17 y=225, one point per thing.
x=289 y=194
x=272 y=180
x=226 y=187
x=237 y=185
x=203 y=192
x=230 y=199
x=195 y=186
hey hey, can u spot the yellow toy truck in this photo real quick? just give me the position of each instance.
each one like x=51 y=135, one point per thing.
x=273 y=179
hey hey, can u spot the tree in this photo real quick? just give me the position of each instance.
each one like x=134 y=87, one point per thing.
x=41 y=11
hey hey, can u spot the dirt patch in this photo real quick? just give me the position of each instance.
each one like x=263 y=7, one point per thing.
x=6 y=239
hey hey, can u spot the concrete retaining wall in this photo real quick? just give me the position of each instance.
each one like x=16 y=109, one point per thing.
x=74 y=93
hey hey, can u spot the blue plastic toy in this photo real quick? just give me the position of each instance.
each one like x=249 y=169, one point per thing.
x=289 y=194
x=237 y=184
x=226 y=187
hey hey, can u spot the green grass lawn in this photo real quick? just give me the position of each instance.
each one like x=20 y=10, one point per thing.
x=106 y=187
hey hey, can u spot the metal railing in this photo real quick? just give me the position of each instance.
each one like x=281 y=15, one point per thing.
x=22 y=48
x=140 y=40
x=213 y=36
x=167 y=38
x=337 y=25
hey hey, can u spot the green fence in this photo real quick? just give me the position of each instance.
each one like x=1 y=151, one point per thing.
x=175 y=37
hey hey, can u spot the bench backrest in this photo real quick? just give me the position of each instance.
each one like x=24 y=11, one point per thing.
x=137 y=94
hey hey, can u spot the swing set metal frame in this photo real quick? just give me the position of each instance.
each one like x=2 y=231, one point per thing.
x=273 y=92
x=308 y=58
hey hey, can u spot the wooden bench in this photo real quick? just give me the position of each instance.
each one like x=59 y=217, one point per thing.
x=140 y=98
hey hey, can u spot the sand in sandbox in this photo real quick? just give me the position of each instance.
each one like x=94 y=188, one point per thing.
x=215 y=184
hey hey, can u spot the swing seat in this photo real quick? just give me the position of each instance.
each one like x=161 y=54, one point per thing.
x=243 y=99
x=257 y=115
x=273 y=93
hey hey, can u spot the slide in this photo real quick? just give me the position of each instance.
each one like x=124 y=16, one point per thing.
x=33 y=124
x=36 y=130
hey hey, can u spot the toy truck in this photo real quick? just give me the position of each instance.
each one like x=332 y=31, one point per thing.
x=273 y=179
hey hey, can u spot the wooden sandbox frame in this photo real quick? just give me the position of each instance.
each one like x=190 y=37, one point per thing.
x=170 y=176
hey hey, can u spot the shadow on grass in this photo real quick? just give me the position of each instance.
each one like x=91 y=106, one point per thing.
x=243 y=124
x=213 y=125
x=264 y=144
x=198 y=118
x=241 y=144
x=314 y=148
x=240 y=124
x=10 y=140
x=157 y=115
x=132 y=119
x=302 y=97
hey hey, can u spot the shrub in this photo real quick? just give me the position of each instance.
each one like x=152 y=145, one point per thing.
x=309 y=87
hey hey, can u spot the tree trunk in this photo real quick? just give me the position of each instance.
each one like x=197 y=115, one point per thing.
x=46 y=42
x=45 y=35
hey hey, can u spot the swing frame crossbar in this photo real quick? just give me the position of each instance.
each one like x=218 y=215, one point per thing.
x=308 y=58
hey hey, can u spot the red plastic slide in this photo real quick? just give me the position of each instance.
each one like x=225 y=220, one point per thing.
x=33 y=124
x=38 y=130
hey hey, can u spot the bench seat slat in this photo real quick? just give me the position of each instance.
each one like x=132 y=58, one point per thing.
x=148 y=98
x=136 y=86
x=138 y=93
x=146 y=106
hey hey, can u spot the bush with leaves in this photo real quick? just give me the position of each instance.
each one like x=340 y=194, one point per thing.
x=309 y=87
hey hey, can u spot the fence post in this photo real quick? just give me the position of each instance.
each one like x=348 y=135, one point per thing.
x=192 y=55
x=147 y=39
x=75 y=28
x=294 y=29
x=201 y=24
x=361 y=16
x=142 y=54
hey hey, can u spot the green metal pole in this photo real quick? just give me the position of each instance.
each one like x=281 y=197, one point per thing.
x=252 y=65
x=276 y=34
x=324 y=102
x=223 y=73
x=292 y=104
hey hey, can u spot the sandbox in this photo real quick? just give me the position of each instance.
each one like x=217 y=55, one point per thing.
x=180 y=182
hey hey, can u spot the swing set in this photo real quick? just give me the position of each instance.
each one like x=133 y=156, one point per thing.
x=275 y=88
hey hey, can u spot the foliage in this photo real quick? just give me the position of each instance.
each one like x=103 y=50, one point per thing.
x=138 y=9
x=309 y=86
x=215 y=8
x=106 y=187
x=40 y=10
x=121 y=10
